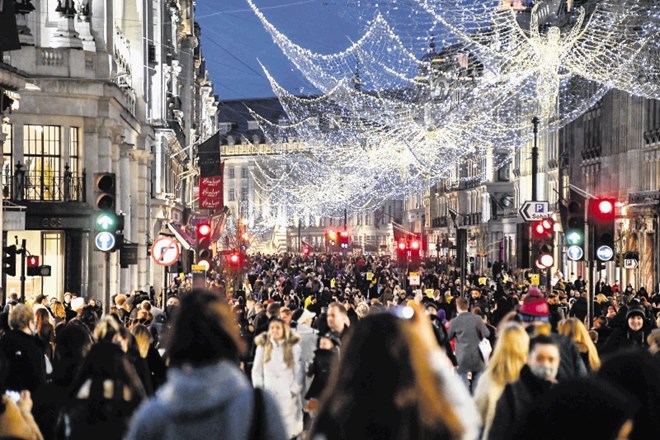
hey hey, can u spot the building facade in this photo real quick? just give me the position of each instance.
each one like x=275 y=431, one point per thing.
x=114 y=86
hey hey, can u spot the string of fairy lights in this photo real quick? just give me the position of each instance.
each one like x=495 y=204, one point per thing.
x=434 y=84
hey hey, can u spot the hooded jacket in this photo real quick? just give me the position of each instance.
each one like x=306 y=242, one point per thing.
x=213 y=401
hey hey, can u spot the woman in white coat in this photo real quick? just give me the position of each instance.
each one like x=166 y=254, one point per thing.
x=278 y=369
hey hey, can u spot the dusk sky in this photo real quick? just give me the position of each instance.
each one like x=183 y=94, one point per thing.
x=233 y=39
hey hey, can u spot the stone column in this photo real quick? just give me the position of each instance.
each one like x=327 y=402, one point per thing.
x=142 y=217
x=126 y=187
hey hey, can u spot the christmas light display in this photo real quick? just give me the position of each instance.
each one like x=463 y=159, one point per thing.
x=432 y=84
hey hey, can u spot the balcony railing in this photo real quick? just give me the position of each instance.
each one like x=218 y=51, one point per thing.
x=43 y=186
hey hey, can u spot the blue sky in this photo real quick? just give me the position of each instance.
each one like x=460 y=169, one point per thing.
x=233 y=39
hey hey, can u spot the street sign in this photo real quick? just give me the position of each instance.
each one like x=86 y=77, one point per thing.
x=104 y=241
x=165 y=251
x=604 y=253
x=630 y=263
x=575 y=253
x=534 y=279
x=534 y=210
x=414 y=278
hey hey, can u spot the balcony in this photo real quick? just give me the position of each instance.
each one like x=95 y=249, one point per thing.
x=439 y=222
x=37 y=186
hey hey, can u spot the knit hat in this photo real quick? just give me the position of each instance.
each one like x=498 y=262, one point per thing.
x=534 y=307
x=635 y=310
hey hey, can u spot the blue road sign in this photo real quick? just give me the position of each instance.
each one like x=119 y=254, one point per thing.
x=105 y=241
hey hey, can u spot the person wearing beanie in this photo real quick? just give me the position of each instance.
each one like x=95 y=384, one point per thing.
x=534 y=313
x=633 y=335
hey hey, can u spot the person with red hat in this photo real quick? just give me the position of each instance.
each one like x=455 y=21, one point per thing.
x=534 y=314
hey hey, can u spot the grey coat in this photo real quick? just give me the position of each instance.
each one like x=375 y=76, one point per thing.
x=214 y=401
x=468 y=329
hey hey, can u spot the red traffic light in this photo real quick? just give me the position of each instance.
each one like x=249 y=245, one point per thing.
x=33 y=261
x=234 y=258
x=604 y=206
x=203 y=230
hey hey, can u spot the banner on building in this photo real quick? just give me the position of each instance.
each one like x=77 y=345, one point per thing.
x=211 y=170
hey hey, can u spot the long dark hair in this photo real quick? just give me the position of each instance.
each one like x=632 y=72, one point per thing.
x=383 y=387
x=107 y=361
x=204 y=331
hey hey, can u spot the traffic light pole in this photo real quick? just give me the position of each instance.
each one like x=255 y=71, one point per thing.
x=106 y=282
x=23 y=258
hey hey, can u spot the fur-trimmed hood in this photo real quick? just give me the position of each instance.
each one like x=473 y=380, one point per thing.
x=263 y=337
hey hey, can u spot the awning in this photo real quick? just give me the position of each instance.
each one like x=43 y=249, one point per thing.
x=186 y=241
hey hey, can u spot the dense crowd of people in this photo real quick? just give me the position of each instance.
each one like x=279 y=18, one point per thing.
x=336 y=347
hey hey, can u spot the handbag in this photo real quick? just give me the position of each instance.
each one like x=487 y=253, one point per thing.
x=485 y=349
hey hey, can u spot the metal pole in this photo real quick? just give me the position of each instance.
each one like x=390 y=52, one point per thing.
x=23 y=257
x=299 y=236
x=106 y=282
x=535 y=157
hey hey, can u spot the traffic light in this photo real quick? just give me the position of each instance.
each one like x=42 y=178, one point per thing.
x=33 y=269
x=105 y=191
x=330 y=238
x=602 y=214
x=543 y=243
x=9 y=260
x=235 y=260
x=107 y=225
x=415 y=247
x=575 y=230
x=203 y=248
x=343 y=239
x=401 y=252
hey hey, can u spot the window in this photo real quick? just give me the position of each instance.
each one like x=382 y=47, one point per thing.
x=231 y=172
x=232 y=195
x=253 y=125
x=244 y=194
x=7 y=160
x=244 y=173
x=74 y=151
x=43 y=168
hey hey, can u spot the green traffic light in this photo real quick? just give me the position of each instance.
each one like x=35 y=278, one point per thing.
x=575 y=238
x=106 y=221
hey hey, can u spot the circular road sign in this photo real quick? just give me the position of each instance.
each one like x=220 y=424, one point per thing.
x=575 y=253
x=604 y=253
x=165 y=251
x=105 y=241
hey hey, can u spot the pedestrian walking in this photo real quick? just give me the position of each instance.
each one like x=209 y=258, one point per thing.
x=469 y=330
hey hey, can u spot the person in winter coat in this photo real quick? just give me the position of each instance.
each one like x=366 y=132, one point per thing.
x=633 y=335
x=536 y=378
x=394 y=382
x=468 y=329
x=325 y=356
x=278 y=369
x=206 y=394
x=509 y=356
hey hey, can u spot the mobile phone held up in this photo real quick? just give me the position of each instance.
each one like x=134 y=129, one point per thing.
x=403 y=312
x=15 y=396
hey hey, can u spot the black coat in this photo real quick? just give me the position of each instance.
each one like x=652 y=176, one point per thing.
x=516 y=400
x=27 y=364
x=320 y=369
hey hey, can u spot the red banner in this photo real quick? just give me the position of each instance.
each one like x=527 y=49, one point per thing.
x=211 y=192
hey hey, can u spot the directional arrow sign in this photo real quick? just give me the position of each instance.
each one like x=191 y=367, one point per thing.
x=105 y=241
x=630 y=263
x=105 y=221
x=534 y=210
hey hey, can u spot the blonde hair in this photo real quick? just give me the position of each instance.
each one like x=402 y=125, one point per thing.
x=577 y=331
x=509 y=354
x=288 y=340
x=143 y=339
x=58 y=309
x=20 y=316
